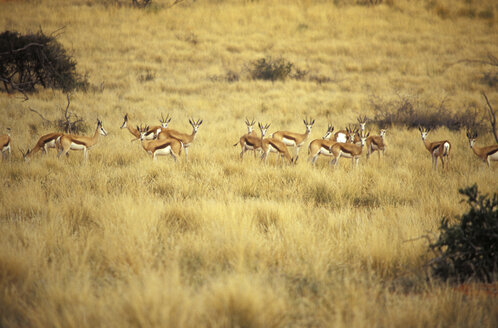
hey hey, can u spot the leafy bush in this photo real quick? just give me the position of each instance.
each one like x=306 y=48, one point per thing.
x=469 y=249
x=27 y=61
x=411 y=112
x=270 y=69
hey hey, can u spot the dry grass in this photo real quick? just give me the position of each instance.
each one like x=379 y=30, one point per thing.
x=124 y=241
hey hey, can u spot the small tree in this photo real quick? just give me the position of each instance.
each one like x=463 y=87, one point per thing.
x=469 y=249
x=31 y=60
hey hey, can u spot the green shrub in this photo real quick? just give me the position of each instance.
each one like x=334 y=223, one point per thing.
x=468 y=249
x=31 y=60
x=270 y=69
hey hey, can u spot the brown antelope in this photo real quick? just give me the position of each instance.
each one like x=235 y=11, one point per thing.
x=45 y=142
x=437 y=149
x=376 y=143
x=5 y=144
x=348 y=150
x=69 y=142
x=487 y=154
x=249 y=141
x=362 y=121
x=185 y=138
x=160 y=147
x=273 y=145
x=151 y=134
x=294 y=139
x=321 y=146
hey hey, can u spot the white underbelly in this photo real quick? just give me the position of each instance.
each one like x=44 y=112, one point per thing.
x=50 y=144
x=75 y=146
x=248 y=146
x=289 y=142
x=494 y=157
x=347 y=155
x=6 y=148
x=325 y=151
x=163 y=151
x=272 y=149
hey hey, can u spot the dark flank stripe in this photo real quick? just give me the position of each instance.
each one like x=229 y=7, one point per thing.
x=493 y=151
x=434 y=147
x=163 y=146
x=290 y=137
x=249 y=143
x=274 y=145
x=50 y=139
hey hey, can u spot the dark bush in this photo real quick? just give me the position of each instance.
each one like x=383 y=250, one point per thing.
x=31 y=60
x=468 y=249
x=270 y=69
x=411 y=112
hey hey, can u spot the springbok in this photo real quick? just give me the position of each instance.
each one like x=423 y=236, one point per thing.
x=185 y=138
x=376 y=143
x=321 y=146
x=249 y=141
x=487 y=154
x=45 y=143
x=160 y=147
x=273 y=145
x=437 y=149
x=5 y=144
x=348 y=150
x=69 y=142
x=295 y=139
x=150 y=134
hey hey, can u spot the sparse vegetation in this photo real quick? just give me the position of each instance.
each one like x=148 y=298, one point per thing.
x=214 y=241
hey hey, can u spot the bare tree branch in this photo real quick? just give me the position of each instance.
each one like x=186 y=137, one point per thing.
x=492 y=117
x=42 y=117
x=33 y=44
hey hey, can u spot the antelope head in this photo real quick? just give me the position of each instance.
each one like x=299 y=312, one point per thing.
x=263 y=129
x=330 y=129
x=165 y=121
x=125 y=121
x=351 y=131
x=100 y=127
x=250 y=125
x=309 y=124
x=472 y=136
x=362 y=121
x=424 y=132
x=195 y=124
x=25 y=154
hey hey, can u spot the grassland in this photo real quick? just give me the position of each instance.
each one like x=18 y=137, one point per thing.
x=216 y=242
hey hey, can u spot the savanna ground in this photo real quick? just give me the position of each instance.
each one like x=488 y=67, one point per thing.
x=217 y=242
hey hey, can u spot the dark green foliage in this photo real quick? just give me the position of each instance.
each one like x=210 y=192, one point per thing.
x=412 y=112
x=468 y=249
x=27 y=61
x=270 y=69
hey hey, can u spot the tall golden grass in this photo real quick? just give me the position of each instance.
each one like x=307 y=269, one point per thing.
x=215 y=241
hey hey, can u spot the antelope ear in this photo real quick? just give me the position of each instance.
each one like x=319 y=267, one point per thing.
x=313 y=122
x=200 y=122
